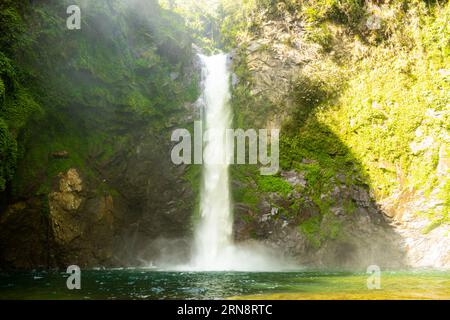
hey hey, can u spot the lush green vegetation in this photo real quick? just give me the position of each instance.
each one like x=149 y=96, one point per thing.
x=202 y=19
x=86 y=92
x=398 y=99
x=373 y=108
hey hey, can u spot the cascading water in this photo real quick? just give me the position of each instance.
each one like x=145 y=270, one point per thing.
x=213 y=247
x=214 y=230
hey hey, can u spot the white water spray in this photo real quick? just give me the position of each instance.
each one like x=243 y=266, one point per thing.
x=214 y=230
x=214 y=249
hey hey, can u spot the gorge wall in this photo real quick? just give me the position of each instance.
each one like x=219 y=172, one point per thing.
x=86 y=119
x=359 y=90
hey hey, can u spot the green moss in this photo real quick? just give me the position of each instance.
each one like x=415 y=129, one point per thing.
x=320 y=35
x=139 y=103
x=319 y=228
x=45 y=207
x=347 y=12
x=19 y=107
x=80 y=91
x=433 y=225
x=274 y=184
x=386 y=108
x=11 y=24
x=356 y=113
x=247 y=196
x=8 y=154
x=311 y=229
x=244 y=192
x=193 y=175
x=38 y=168
x=350 y=206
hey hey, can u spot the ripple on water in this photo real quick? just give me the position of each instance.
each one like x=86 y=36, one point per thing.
x=133 y=284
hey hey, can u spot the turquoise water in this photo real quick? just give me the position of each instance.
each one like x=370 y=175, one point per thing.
x=147 y=284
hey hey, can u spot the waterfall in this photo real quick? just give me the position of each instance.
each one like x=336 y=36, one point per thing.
x=213 y=247
x=214 y=229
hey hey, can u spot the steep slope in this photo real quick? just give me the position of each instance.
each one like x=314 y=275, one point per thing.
x=85 y=118
x=361 y=92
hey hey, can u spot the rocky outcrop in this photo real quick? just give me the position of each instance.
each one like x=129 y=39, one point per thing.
x=81 y=224
x=103 y=137
x=423 y=249
x=350 y=224
x=160 y=201
x=118 y=217
x=344 y=237
x=72 y=226
x=25 y=236
x=426 y=243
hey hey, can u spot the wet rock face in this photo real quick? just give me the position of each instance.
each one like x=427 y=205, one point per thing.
x=80 y=223
x=336 y=226
x=121 y=189
x=361 y=243
x=424 y=248
x=159 y=200
x=426 y=243
x=24 y=236
x=369 y=232
x=74 y=226
x=342 y=237
x=294 y=178
x=361 y=236
x=67 y=198
x=111 y=211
